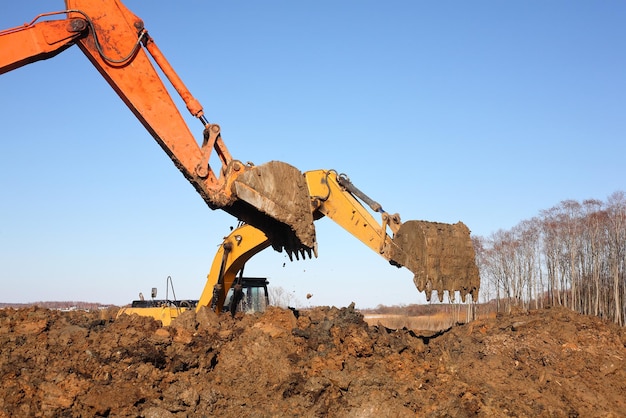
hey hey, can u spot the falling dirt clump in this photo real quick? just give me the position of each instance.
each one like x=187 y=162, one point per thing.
x=313 y=363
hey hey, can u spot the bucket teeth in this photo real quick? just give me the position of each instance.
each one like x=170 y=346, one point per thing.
x=441 y=256
x=302 y=252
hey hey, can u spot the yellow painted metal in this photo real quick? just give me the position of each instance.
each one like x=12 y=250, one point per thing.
x=238 y=247
x=441 y=256
x=346 y=210
x=165 y=314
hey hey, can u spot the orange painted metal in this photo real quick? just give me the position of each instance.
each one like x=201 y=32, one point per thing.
x=114 y=48
x=112 y=38
x=37 y=41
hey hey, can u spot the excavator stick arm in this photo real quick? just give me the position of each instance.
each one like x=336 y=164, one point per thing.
x=343 y=208
x=441 y=256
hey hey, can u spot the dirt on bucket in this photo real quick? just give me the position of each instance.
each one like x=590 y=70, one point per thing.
x=282 y=207
x=441 y=256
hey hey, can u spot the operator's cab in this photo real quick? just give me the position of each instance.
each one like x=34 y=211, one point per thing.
x=254 y=296
x=248 y=295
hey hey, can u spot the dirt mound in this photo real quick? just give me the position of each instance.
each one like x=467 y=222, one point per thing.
x=322 y=362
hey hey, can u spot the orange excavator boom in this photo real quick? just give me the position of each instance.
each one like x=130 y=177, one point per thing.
x=119 y=46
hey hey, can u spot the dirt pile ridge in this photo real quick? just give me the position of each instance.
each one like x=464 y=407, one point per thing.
x=325 y=362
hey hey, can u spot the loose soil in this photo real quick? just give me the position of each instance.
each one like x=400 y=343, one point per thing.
x=325 y=362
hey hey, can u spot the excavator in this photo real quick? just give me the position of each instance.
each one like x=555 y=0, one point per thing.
x=275 y=203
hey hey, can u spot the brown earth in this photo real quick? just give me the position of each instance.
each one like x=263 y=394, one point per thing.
x=326 y=362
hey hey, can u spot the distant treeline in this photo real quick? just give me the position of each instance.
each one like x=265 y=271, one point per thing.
x=572 y=255
x=57 y=305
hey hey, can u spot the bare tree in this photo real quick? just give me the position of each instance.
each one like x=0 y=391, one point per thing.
x=616 y=209
x=573 y=254
x=594 y=243
x=280 y=297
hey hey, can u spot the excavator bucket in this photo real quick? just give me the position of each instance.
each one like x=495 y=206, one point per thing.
x=441 y=256
x=282 y=207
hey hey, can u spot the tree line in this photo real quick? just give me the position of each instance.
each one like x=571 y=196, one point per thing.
x=573 y=255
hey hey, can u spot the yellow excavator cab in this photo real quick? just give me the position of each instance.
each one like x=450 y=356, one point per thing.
x=247 y=294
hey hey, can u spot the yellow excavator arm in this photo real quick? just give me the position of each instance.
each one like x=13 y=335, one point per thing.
x=441 y=256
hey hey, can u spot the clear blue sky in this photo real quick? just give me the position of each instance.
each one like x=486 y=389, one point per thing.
x=485 y=112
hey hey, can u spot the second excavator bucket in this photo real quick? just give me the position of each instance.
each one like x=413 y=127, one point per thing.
x=441 y=256
x=282 y=207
